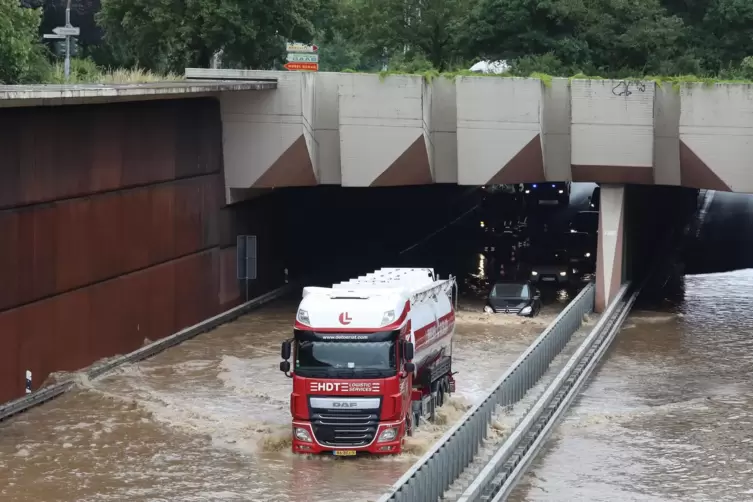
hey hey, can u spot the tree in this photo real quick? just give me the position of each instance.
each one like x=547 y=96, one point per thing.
x=170 y=35
x=21 y=53
x=595 y=36
x=426 y=29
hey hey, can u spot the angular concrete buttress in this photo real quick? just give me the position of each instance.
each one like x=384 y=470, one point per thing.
x=716 y=136
x=612 y=134
x=610 y=250
x=439 y=94
x=499 y=130
x=384 y=130
x=267 y=136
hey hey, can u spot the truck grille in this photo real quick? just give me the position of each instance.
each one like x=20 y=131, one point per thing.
x=344 y=427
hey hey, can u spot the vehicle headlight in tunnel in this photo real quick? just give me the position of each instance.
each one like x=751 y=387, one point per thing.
x=303 y=317
x=488 y=310
x=482 y=224
x=528 y=191
x=588 y=255
x=562 y=191
x=563 y=274
x=534 y=273
x=387 y=435
x=302 y=435
x=388 y=317
x=526 y=311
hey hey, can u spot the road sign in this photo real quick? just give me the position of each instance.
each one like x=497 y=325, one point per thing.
x=51 y=35
x=295 y=47
x=302 y=66
x=303 y=58
x=67 y=31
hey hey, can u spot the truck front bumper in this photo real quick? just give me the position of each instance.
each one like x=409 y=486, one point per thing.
x=305 y=441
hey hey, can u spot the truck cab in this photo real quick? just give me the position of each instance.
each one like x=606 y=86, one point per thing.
x=369 y=358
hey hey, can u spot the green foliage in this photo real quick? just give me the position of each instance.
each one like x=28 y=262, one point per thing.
x=170 y=35
x=22 y=57
x=86 y=71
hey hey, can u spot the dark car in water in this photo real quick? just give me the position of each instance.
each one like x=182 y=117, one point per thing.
x=547 y=193
x=514 y=297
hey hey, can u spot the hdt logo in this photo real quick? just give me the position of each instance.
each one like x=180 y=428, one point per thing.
x=345 y=319
x=328 y=386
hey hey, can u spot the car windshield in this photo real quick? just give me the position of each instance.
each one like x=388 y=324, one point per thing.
x=340 y=357
x=510 y=291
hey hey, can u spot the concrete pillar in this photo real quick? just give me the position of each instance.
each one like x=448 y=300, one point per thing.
x=610 y=255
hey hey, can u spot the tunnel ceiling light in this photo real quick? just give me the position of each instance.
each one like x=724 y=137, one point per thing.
x=535 y=185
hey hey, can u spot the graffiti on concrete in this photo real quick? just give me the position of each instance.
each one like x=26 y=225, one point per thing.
x=623 y=87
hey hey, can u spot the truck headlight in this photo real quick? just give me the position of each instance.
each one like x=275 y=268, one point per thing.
x=302 y=434
x=525 y=311
x=563 y=274
x=303 y=317
x=534 y=273
x=588 y=255
x=387 y=435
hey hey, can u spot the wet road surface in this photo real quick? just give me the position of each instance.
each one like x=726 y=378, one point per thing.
x=668 y=415
x=209 y=420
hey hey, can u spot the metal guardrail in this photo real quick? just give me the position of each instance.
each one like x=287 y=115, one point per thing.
x=47 y=393
x=505 y=468
x=433 y=474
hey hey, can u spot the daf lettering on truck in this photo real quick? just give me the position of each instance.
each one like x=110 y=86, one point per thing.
x=363 y=386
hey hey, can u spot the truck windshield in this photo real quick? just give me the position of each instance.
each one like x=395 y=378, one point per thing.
x=346 y=359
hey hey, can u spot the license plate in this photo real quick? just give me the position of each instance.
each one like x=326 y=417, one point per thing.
x=548 y=279
x=548 y=202
x=344 y=453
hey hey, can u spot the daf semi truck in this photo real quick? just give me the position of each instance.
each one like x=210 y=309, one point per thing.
x=369 y=358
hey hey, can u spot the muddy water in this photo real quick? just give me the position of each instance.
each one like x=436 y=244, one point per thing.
x=209 y=421
x=669 y=414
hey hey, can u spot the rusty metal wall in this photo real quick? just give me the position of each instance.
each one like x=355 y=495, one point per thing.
x=54 y=153
x=60 y=246
x=109 y=230
x=70 y=331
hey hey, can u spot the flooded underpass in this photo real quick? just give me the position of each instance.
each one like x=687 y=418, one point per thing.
x=209 y=420
x=668 y=414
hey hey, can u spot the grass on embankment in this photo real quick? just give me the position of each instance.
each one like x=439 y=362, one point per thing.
x=86 y=72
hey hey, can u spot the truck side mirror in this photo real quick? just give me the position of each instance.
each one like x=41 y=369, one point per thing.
x=285 y=366
x=408 y=351
x=285 y=351
x=410 y=367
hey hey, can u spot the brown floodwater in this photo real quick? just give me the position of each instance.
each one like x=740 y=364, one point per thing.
x=668 y=415
x=209 y=420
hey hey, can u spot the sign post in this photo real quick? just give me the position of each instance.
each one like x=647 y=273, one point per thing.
x=246 y=253
x=65 y=32
x=302 y=57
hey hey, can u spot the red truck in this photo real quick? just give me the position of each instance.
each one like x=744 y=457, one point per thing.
x=370 y=358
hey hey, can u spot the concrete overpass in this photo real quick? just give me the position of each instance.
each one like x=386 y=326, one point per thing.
x=115 y=228
x=365 y=130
